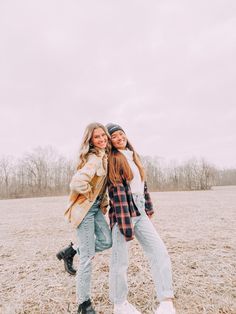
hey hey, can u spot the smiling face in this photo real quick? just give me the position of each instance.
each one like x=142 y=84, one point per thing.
x=99 y=138
x=119 y=139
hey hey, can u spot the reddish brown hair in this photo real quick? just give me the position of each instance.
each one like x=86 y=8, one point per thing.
x=118 y=166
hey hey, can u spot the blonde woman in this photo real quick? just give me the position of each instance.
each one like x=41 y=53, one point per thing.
x=88 y=203
x=129 y=213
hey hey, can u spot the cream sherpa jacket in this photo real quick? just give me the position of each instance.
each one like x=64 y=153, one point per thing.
x=87 y=183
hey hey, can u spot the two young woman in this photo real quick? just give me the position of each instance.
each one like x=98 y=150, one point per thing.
x=129 y=214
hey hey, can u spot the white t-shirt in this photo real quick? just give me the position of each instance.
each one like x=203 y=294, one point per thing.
x=136 y=185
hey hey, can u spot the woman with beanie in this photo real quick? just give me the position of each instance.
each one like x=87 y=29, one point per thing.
x=130 y=212
x=88 y=203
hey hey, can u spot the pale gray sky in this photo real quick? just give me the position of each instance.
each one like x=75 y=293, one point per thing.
x=164 y=70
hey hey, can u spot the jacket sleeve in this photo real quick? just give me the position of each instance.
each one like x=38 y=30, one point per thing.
x=80 y=182
x=121 y=210
x=148 y=202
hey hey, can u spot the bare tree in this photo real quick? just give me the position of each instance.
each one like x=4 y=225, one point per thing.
x=44 y=172
x=6 y=165
x=226 y=177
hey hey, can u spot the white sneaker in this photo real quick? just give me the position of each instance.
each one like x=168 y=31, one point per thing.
x=165 y=307
x=125 y=308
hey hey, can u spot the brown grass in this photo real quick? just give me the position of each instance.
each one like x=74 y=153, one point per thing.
x=197 y=227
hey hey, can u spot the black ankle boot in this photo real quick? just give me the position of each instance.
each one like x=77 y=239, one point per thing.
x=86 y=308
x=67 y=255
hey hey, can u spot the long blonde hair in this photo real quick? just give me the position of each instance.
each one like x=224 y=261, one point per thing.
x=119 y=168
x=87 y=147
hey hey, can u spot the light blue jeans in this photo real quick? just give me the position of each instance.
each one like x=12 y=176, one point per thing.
x=154 y=249
x=93 y=235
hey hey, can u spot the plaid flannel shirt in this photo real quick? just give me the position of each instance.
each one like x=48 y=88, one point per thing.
x=122 y=208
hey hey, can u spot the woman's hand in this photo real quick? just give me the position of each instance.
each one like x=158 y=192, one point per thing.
x=104 y=209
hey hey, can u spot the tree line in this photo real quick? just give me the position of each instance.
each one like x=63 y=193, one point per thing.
x=44 y=172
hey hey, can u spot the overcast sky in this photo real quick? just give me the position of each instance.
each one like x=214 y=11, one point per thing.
x=164 y=70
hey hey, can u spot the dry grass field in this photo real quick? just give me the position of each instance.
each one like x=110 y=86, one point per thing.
x=197 y=227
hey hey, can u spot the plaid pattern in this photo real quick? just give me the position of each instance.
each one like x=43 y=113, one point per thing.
x=122 y=208
x=148 y=202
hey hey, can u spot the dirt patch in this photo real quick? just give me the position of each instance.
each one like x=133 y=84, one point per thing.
x=198 y=229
